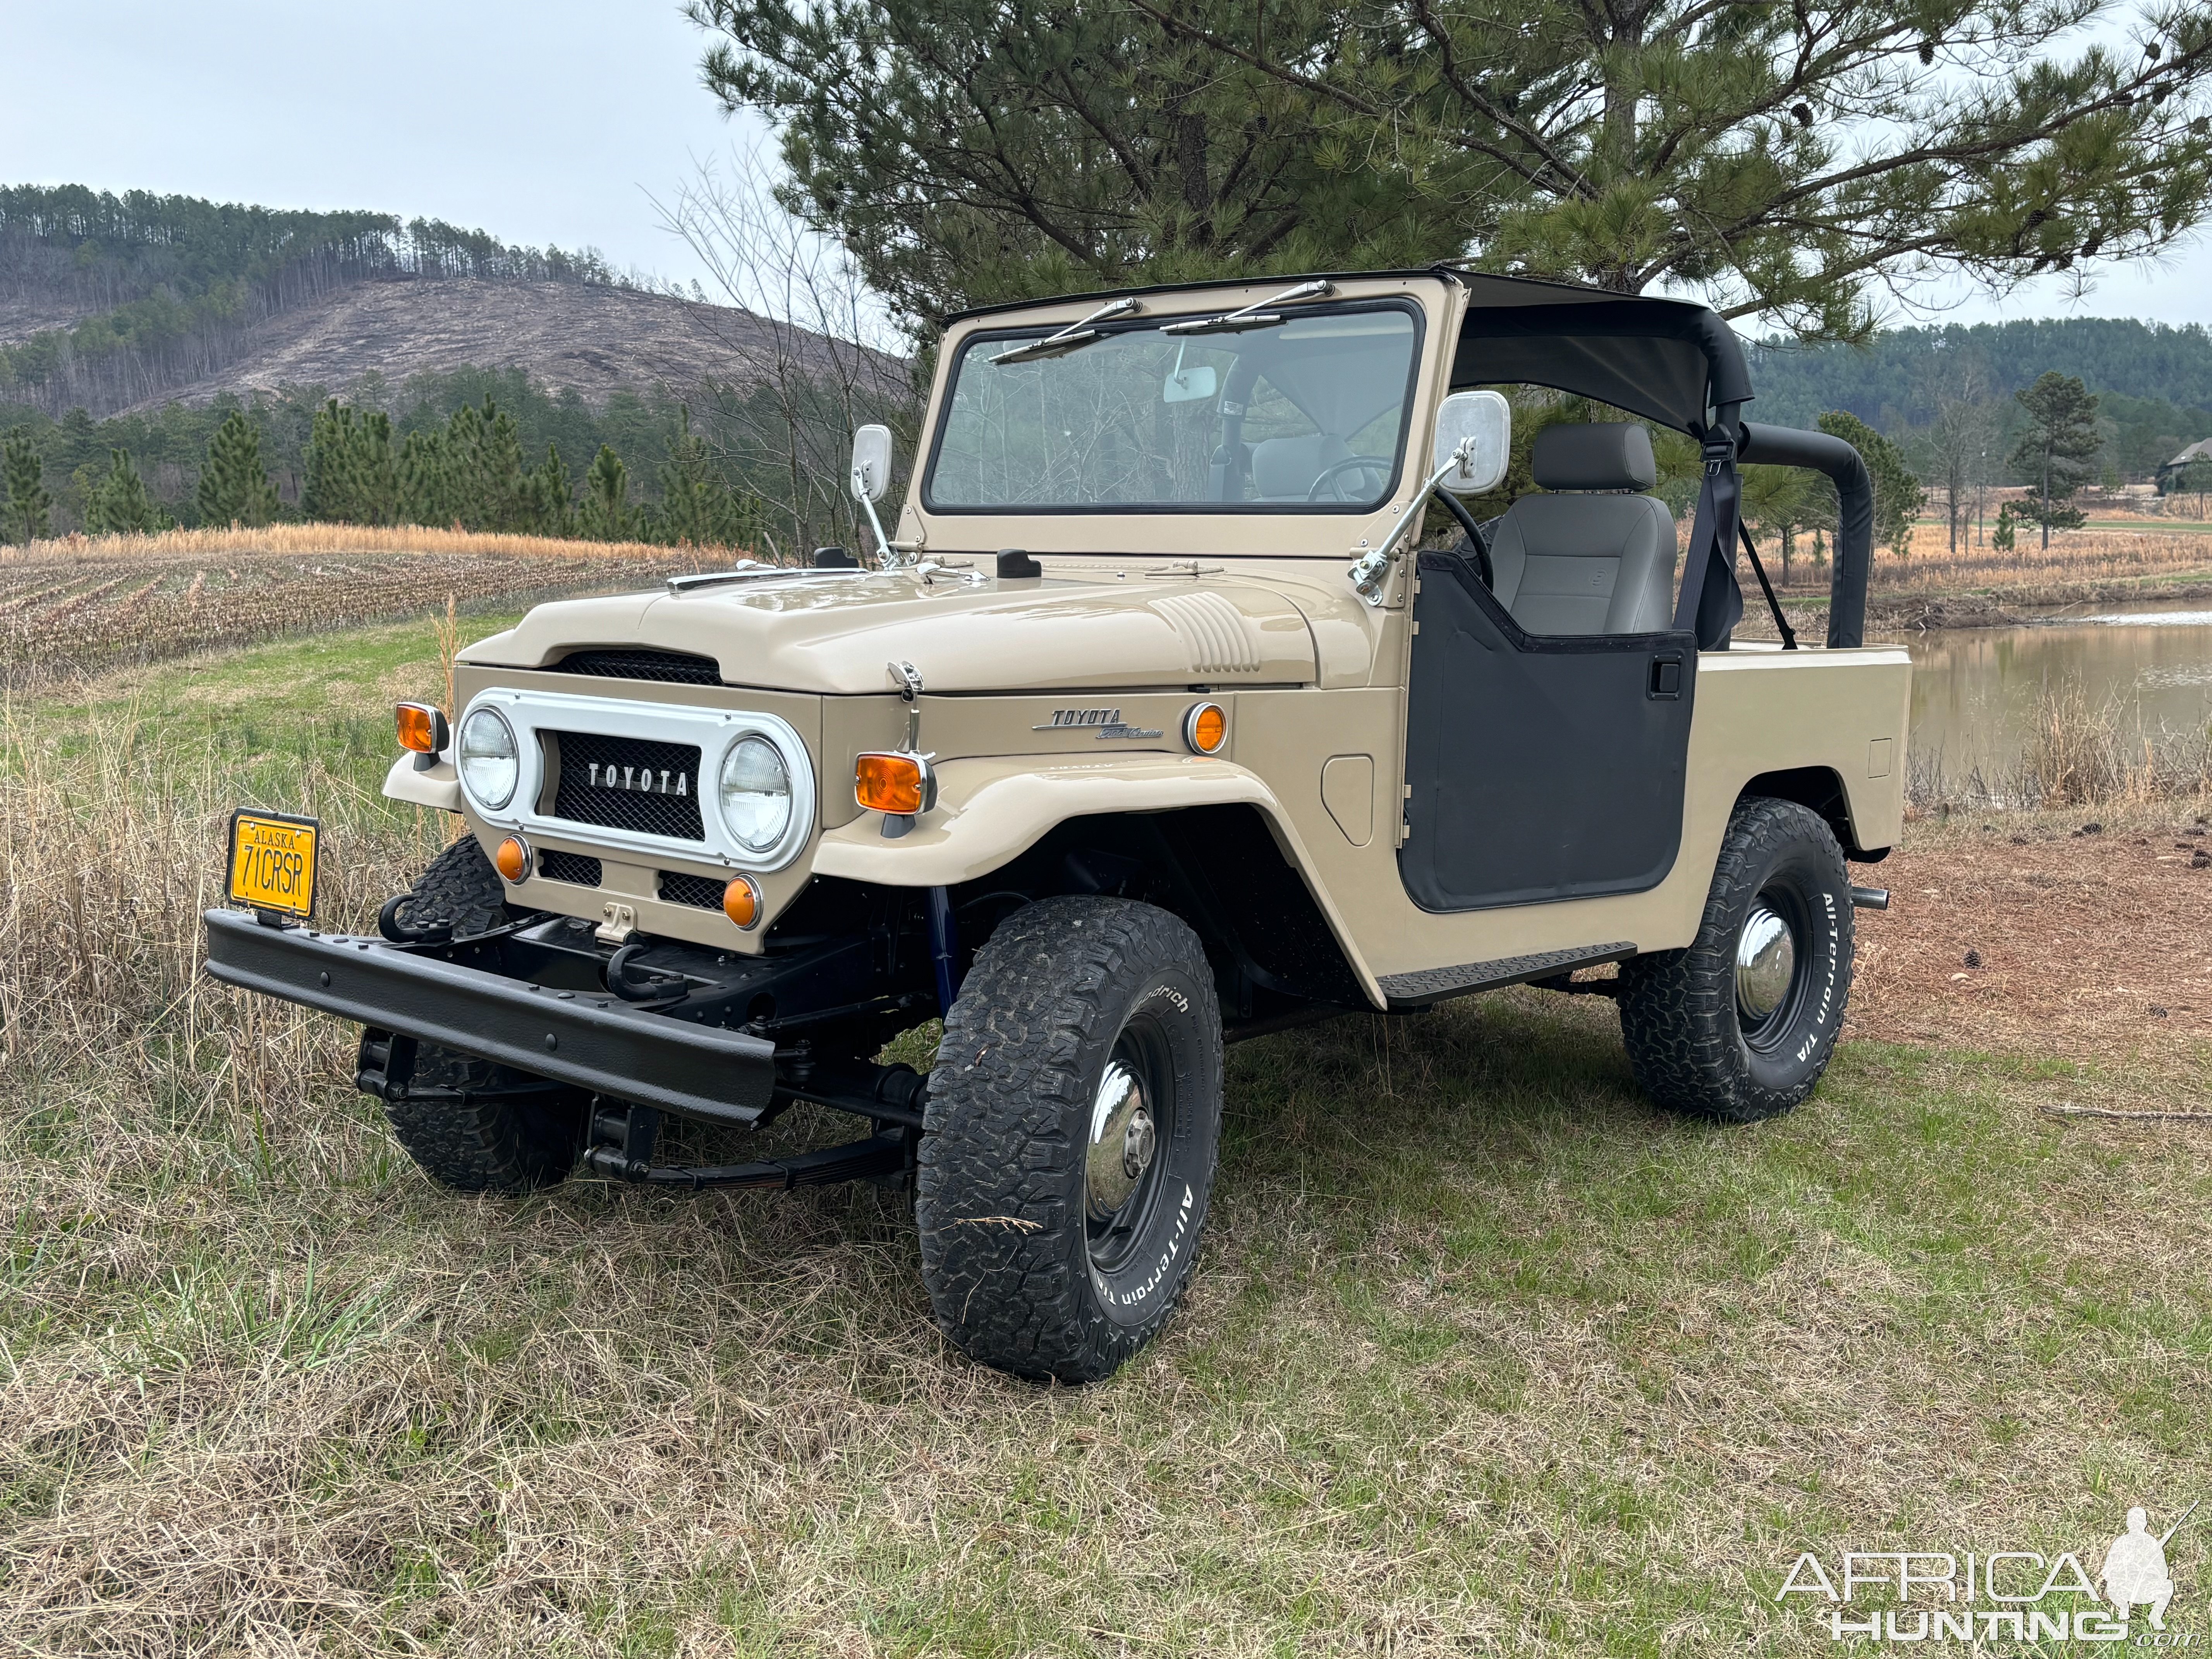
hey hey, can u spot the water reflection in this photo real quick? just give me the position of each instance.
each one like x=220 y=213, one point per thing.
x=1975 y=691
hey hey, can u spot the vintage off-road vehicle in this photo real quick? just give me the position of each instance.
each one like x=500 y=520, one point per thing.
x=1150 y=729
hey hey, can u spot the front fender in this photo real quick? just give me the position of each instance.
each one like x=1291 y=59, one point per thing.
x=990 y=812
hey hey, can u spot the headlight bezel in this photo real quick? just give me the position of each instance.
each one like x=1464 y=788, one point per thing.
x=472 y=721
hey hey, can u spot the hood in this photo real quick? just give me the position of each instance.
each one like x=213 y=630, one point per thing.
x=835 y=632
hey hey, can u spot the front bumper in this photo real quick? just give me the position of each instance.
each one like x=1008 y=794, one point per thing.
x=593 y=1041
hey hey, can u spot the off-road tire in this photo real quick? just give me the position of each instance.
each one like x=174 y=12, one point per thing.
x=470 y=1124
x=1063 y=987
x=1679 y=1016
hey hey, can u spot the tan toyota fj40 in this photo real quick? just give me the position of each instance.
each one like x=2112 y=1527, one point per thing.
x=1149 y=729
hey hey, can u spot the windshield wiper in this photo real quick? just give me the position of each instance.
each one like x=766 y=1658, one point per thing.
x=1235 y=322
x=1073 y=337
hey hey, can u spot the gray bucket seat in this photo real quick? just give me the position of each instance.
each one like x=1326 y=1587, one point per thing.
x=1590 y=557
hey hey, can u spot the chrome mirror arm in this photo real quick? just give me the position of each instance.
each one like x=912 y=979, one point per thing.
x=859 y=485
x=1370 y=574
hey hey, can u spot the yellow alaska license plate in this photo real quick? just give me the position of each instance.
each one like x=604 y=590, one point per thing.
x=272 y=862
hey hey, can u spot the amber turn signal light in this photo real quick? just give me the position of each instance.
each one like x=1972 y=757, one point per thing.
x=422 y=728
x=741 y=901
x=512 y=860
x=1205 y=728
x=901 y=784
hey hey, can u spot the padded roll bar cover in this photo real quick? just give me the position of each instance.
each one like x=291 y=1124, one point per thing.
x=1782 y=446
x=1602 y=455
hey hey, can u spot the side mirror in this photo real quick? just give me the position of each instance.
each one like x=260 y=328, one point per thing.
x=1487 y=419
x=871 y=462
x=1188 y=385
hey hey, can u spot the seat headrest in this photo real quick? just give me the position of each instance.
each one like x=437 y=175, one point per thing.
x=1611 y=455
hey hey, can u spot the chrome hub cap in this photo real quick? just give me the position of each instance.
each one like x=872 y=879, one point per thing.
x=1122 y=1141
x=1765 y=963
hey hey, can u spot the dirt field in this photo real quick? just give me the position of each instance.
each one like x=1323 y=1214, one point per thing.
x=2094 y=948
x=77 y=605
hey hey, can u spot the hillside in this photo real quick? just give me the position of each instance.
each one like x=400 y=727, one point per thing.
x=114 y=304
x=594 y=338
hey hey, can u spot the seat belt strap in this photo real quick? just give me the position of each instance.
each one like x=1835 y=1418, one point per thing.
x=1711 y=603
x=1781 y=622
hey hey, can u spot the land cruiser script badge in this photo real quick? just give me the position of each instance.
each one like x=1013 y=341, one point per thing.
x=1107 y=722
x=639 y=779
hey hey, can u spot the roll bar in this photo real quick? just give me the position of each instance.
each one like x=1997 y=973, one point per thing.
x=1782 y=446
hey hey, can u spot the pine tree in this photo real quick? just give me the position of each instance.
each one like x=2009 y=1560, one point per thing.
x=696 y=505
x=351 y=477
x=118 y=504
x=1783 y=162
x=235 y=486
x=606 y=515
x=28 y=503
x=552 y=503
x=2057 y=453
x=425 y=480
x=1898 y=495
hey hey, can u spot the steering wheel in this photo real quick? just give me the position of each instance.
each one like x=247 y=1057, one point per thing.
x=1376 y=464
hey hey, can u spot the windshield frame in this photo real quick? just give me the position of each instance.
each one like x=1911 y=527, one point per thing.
x=1014 y=334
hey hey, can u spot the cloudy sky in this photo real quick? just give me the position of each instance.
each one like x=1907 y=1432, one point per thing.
x=554 y=122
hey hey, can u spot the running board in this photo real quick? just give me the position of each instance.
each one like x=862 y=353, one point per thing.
x=1417 y=990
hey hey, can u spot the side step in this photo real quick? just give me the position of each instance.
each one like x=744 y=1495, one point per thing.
x=1417 y=990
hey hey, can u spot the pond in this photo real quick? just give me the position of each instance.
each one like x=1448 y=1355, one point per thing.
x=1975 y=691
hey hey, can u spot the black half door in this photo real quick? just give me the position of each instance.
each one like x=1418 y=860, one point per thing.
x=1540 y=767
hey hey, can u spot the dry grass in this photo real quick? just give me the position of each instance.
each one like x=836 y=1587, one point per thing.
x=1483 y=1354
x=2112 y=554
x=76 y=604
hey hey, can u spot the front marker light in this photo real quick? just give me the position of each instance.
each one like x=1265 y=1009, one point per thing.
x=490 y=763
x=900 y=784
x=741 y=901
x=422 y=728
x=755 y=793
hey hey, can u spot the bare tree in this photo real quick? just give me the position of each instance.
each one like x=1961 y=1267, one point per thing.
x=812 y=353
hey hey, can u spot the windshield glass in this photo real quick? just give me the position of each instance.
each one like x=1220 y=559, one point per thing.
x=1306 y=414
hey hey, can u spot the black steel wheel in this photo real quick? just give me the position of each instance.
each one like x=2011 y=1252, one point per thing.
x=469 y=1124
x=1073 y=1121
x=1739 y=1025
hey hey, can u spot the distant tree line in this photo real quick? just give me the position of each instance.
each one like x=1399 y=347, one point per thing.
x=170 y=282
x=2153 y=385
x=467 y=464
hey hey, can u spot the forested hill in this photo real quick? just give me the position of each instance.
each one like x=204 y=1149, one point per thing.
x=1898 y=381
x=109 y=302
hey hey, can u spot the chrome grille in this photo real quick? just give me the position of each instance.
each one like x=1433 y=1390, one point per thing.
x=627 y=783
x=704 y=892
x=568 y=866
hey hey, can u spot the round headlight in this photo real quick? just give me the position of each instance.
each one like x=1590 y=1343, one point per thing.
x=755 y=793
x=489 y=762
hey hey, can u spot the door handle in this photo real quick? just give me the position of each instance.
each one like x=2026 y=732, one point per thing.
x=1666 y=682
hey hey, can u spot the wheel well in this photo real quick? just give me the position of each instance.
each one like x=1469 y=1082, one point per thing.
x=1221 y=870
x=1821 y=788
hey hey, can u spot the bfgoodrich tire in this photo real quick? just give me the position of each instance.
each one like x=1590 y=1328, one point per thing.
x=470 y=1125
x=1073 y=1121
x=1741 y=1023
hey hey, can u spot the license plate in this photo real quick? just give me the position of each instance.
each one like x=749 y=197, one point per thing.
x=272 y=862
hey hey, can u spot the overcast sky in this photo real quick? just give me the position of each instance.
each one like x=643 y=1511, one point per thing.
x=551 y=122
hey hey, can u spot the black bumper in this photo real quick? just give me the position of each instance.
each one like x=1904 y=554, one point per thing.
x=596 y=1041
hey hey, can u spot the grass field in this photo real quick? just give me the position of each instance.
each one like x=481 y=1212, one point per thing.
x=1483 y=1354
